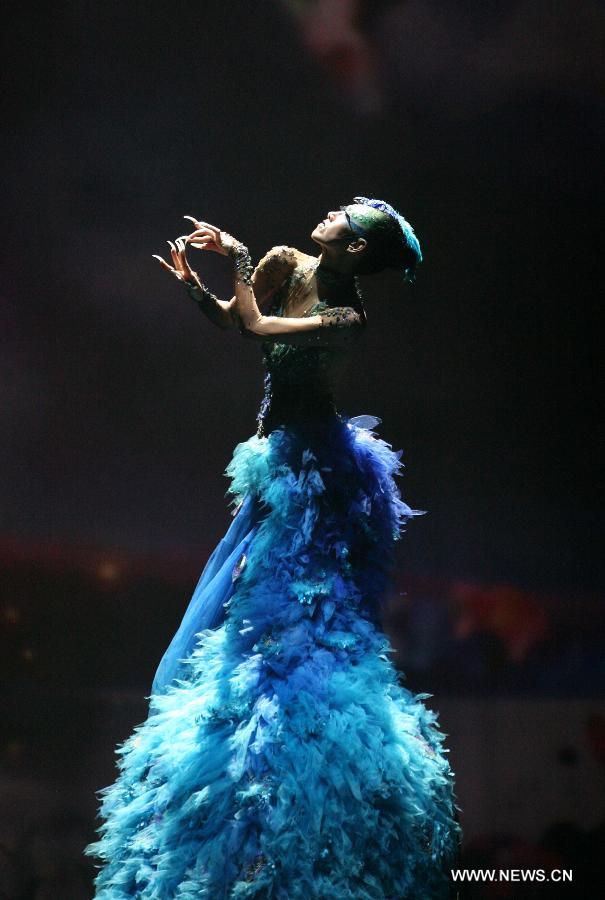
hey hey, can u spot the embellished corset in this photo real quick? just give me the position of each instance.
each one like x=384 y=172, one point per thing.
x=300 y=381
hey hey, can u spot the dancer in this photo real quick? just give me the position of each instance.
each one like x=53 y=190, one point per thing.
x=281 y=757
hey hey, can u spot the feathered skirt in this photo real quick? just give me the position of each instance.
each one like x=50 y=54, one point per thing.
x=281 y=757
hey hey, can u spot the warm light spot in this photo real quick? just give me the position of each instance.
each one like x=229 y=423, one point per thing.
x=28 y=654
x=11 y=614
x=108 y=571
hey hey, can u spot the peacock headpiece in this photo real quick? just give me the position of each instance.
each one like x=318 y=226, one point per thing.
x=400 y=247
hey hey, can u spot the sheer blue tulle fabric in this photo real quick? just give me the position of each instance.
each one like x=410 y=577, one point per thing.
x=216 y=584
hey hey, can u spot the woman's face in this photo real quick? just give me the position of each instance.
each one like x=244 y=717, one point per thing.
x=347 y=223
x=333 y=230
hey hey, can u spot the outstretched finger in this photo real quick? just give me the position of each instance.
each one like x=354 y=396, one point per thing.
x=201 y=245
x=199 y=233
x=174 y=254
x=182 y=252
x=203 y=229
x=162 y=262
x=182 y=255
x=202 y=239
x=181 y=276
x=200 y=225
x=211 y=228
x=199 y=239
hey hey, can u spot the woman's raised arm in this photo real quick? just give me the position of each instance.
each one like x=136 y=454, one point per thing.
x=270 y=273
x=218 y=311
x=335 y=326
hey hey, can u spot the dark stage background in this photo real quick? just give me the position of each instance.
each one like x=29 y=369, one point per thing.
x=483 y=123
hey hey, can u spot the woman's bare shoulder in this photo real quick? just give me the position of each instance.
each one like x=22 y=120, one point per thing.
x=273 y=269
x=302 y=258
x=282 y=255
x=278 y=264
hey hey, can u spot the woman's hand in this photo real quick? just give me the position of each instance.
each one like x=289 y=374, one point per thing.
x=209 y=237
x=180 y=268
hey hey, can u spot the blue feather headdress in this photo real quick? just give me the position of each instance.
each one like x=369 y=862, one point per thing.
x=410 y=240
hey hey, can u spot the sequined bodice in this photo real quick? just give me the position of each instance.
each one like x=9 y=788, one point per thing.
x=300 y=381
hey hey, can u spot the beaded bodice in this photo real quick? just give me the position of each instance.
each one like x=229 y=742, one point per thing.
x=300 y=381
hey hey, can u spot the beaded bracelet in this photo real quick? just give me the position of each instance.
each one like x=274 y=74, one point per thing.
x=207 y=297
x=240 y=255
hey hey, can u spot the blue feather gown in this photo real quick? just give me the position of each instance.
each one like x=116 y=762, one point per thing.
x=281 y=757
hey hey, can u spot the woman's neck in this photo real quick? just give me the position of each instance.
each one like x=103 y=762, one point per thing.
x=332 y=283
x=339 y=265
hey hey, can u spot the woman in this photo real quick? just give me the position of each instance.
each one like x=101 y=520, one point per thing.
x=281 y=757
